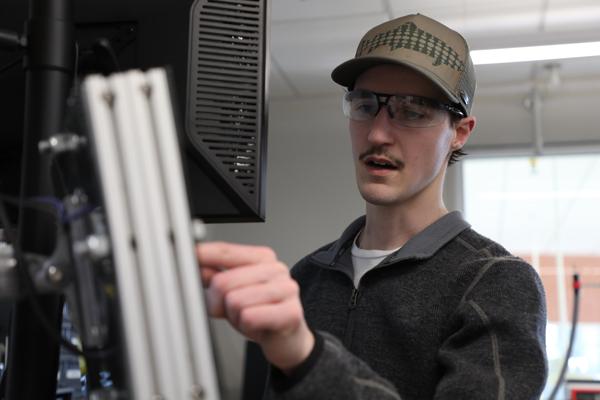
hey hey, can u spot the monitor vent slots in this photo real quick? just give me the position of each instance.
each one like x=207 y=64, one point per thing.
x=227 y=81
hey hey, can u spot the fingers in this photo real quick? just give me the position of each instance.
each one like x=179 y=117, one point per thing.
x=226 y=281
x=227 y=284
x=249 y=287
x=275 y=291
x=207 y=274
x=222 y=255
x=280 y=330
x=267 y=319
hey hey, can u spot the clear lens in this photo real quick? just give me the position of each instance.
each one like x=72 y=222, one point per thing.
x=403 y=110
x=414 y=112
x=360 y=105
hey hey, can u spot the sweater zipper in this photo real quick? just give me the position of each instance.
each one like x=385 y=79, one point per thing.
x=354 y=298
x=350 y=321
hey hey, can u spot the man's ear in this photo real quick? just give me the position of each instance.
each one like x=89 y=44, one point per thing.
x=463 y=129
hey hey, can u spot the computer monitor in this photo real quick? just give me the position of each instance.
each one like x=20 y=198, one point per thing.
x=218 y=53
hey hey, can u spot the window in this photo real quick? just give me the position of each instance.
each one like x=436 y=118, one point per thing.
x=547 y=211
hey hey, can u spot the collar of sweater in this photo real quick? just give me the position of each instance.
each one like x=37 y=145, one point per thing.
x=421 y=246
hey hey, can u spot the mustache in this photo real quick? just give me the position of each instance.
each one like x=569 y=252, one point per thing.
x=380 y=152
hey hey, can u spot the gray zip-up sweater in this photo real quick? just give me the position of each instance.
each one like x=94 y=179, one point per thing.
x=451 y=315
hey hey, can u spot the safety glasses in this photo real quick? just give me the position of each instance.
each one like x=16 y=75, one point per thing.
x=403 y=110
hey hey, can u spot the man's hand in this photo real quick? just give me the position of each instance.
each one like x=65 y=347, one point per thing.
x=254 y=291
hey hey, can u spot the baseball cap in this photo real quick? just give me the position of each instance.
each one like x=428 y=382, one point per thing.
x=421 y=43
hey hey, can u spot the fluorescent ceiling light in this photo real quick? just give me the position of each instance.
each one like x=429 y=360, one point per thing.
x=543 y=195
x=535 y=53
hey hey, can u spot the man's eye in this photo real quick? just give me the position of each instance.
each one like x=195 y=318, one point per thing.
x=364 y=107
x=411 y=114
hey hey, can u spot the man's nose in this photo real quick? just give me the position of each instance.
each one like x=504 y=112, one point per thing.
x=381 y=131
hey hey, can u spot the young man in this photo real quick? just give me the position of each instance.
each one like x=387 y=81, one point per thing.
x=410 y=302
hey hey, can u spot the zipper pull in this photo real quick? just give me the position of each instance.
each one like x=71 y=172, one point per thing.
x=354 y=298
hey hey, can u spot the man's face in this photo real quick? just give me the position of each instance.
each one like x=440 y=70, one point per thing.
x=416 y=157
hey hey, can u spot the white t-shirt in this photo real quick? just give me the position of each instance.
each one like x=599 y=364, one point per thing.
x=364 y=260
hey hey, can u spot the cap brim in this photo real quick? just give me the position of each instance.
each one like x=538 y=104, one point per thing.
x=346 y=73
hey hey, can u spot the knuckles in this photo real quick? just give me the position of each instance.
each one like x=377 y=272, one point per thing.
x=219 y=283
x=247 y=322
x=280 y=268
x=291 y=287
x=233 y=303
x=296 y=312
x=266 y=253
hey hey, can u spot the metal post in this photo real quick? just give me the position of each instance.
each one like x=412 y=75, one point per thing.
x=33 y=355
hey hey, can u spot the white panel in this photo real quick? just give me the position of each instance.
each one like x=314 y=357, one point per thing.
x=569 y=17
x=308 y=51
x=500 y=22
x=284 y=10
x=520 y=39
x=479 y=17
x=441 y=11
x=322 y=32
x=400 y=8
x=475 y=5
x=573 y=3
x=502 y=74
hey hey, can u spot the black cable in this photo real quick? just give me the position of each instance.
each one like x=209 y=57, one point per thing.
x=563 y=370
x=105 y=45
x=36 y=204
x=59 y=212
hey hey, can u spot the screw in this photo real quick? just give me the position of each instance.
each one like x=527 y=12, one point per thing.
x=197 y=392
x=146 y=90
x=109 y=98
x=98 y=246
x=198 y=230
x=78 y=197
x=55 y=274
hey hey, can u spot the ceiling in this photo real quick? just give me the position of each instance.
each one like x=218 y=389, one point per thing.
x=310 y=37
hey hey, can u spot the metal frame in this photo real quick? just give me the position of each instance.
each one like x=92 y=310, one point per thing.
x=134 y=138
